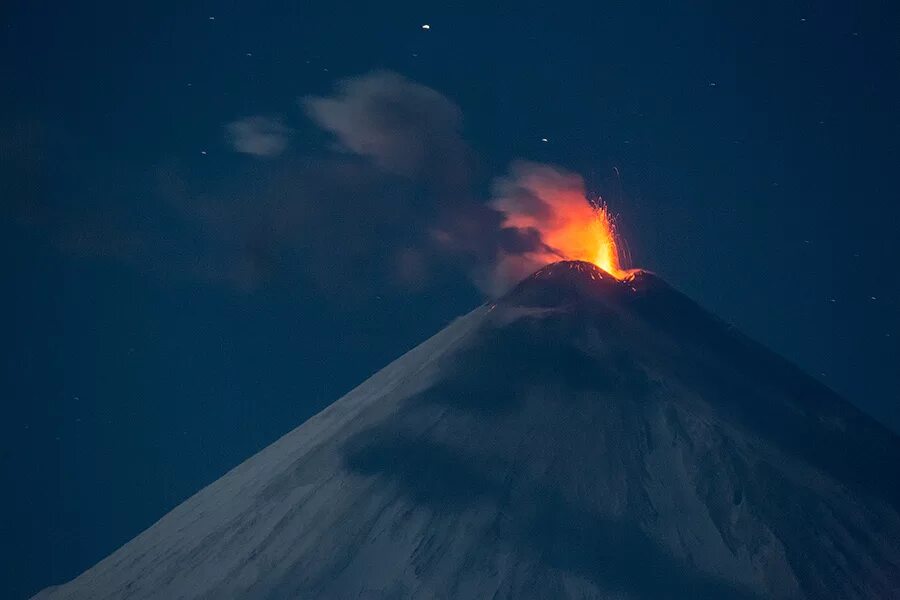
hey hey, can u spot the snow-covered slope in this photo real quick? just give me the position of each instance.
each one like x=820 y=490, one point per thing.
x=582 y=437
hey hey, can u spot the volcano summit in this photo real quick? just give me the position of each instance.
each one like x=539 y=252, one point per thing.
x=584 y=436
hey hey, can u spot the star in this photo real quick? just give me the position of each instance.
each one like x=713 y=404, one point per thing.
x=544 y=140
x=212 y=18
x=426 y=26
x=203 y=152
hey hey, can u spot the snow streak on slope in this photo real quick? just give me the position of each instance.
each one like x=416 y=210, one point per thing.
x=583 y=437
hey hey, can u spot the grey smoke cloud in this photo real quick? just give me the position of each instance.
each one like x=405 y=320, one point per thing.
x=403 y=126
x=259 y=136
x=540 y=199
x=409 y=129
x=393 y=208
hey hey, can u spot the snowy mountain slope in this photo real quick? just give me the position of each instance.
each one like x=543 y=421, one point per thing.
x=582 y=437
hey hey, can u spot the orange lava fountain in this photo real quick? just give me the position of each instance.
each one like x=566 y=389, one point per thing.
x=550 y=208
x=575 y=230
x=602 y=246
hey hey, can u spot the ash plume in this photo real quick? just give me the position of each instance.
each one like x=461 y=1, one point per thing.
x=392 y=201
x=409 y=129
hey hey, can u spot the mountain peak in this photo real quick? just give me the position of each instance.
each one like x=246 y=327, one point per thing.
x=572 y=270
x=592 y=437
x=576 y=281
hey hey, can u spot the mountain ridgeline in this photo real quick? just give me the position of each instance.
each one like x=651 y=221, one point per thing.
x=581 y=437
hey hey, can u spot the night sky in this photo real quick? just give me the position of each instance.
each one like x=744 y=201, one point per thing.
x=218 y=217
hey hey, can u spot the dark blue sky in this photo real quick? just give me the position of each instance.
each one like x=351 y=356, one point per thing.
x=168 y=315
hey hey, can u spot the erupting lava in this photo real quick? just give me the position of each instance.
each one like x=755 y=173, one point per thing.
x=581 y=232
x=602 y=246
x=570 y=227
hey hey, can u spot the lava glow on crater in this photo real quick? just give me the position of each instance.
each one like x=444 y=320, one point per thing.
x=577 y=230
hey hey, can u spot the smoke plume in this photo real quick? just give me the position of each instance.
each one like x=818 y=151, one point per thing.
x=390 y=202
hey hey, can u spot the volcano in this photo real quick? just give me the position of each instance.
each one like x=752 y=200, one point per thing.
x=584 y=436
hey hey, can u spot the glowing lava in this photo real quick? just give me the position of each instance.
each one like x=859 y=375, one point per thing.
x=582 y=232
x=604 y=241
x=570 y=227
